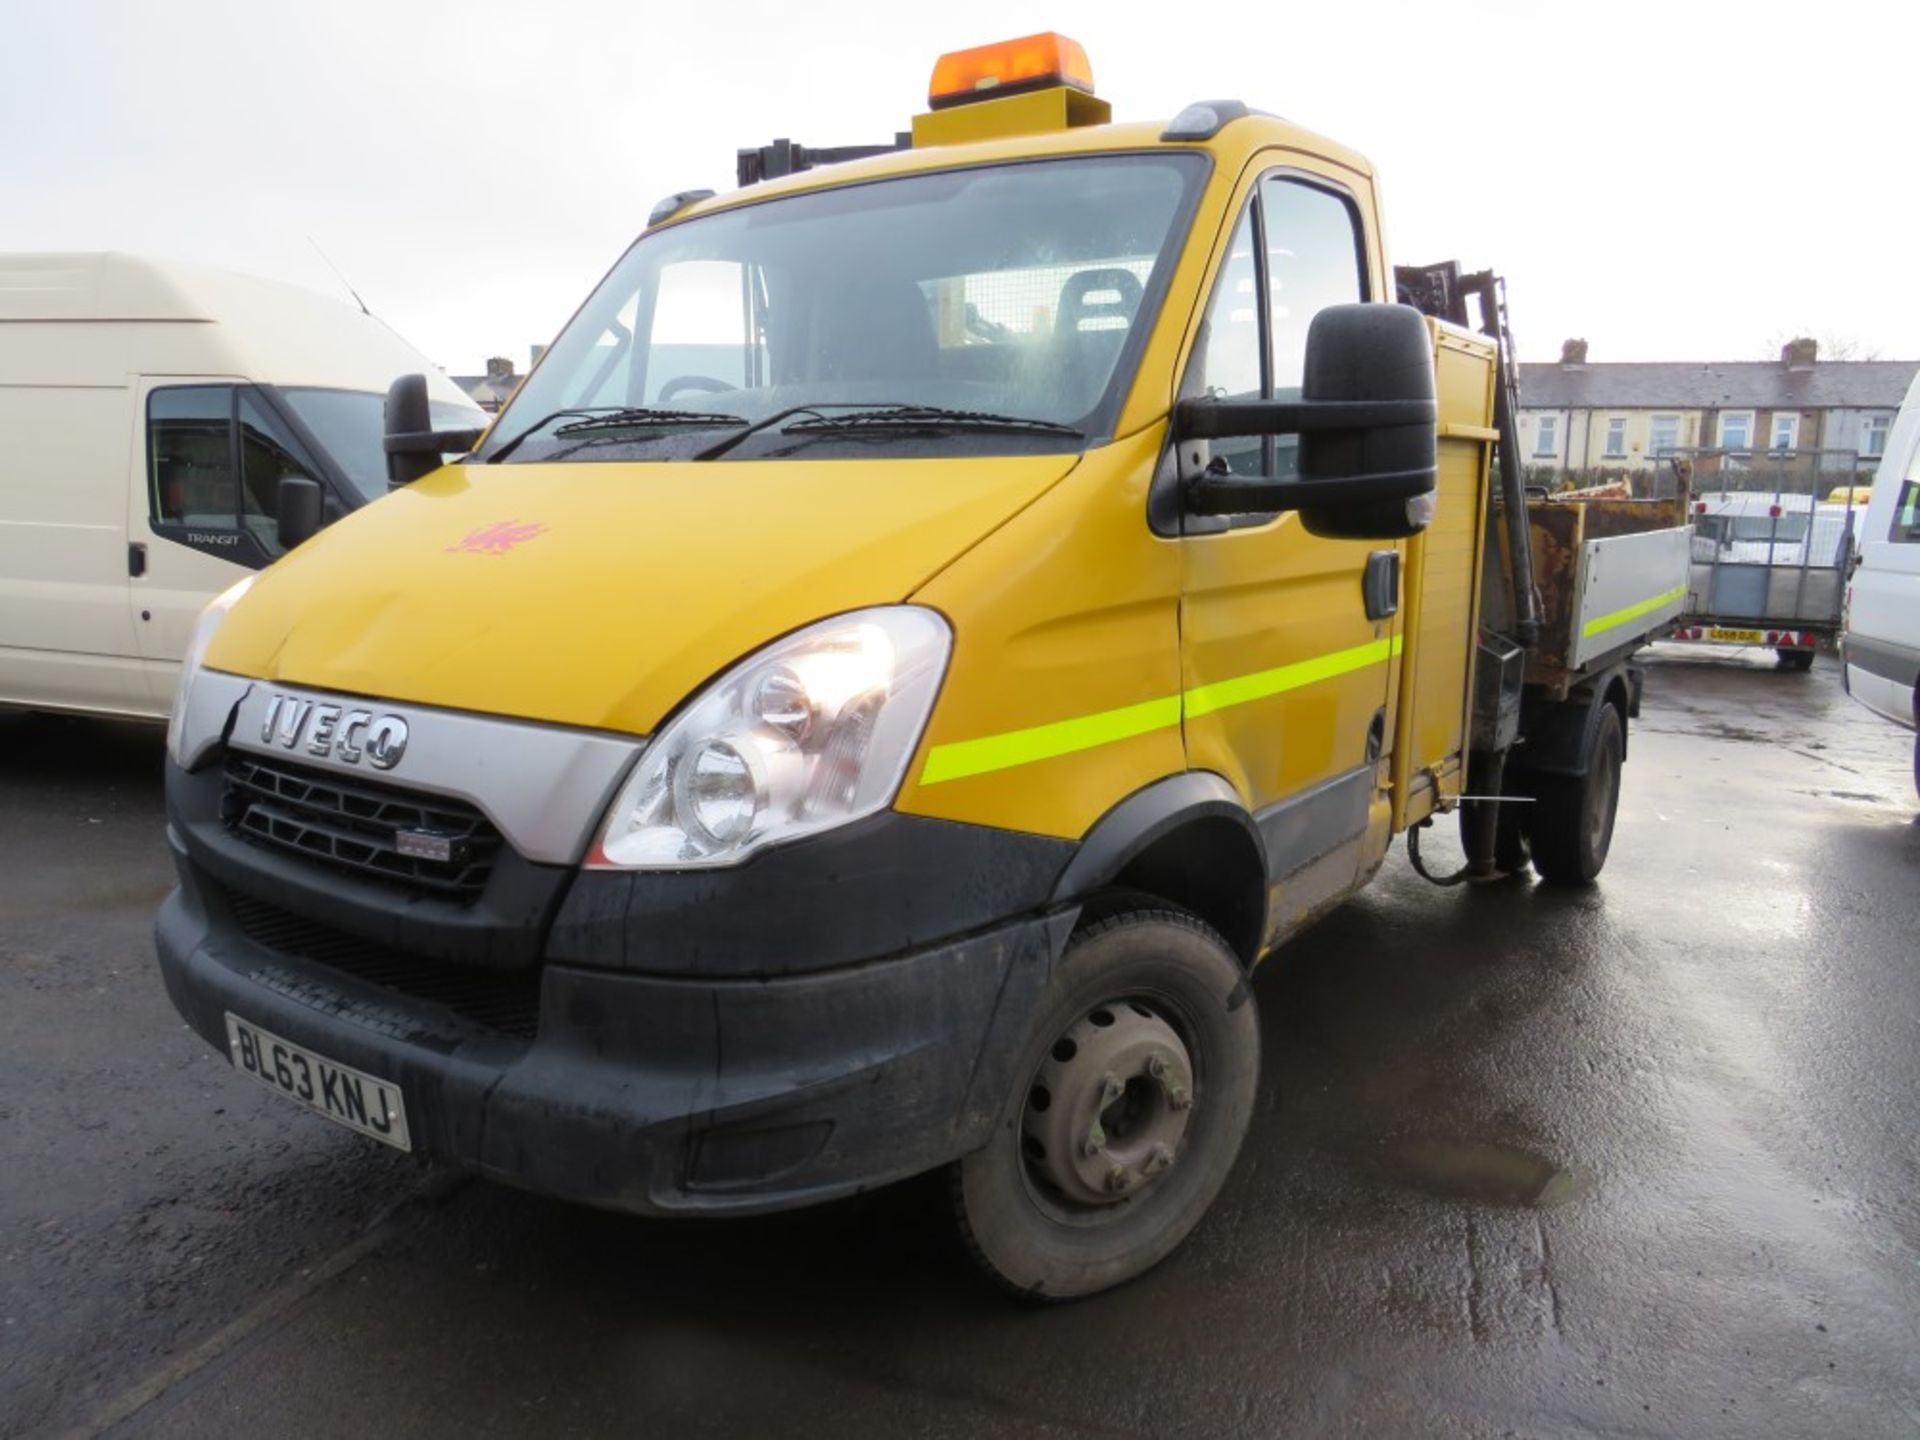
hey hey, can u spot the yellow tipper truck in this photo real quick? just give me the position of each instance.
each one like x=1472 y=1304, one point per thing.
x=927 y=628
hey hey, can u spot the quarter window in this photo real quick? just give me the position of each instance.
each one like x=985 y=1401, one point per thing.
x=190 y=456
x=1906 y=515
x=1229 y=356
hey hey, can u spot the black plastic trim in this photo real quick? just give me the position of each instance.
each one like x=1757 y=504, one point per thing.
x=1884 y=658
x=883 y=886
x=1300 y=829
x=1145 y=816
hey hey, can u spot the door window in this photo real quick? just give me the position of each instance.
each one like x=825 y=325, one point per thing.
x=216 y=455
x=1314 y=259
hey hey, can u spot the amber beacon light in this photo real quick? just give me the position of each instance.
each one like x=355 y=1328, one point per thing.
x=1009 y=67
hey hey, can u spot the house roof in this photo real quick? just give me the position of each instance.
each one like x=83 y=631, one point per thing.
x=1739 y=384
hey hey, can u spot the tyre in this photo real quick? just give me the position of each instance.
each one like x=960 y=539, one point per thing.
x=1571 y=827
x=1131 y=1100
x=1798 y=660
x=1512 y=850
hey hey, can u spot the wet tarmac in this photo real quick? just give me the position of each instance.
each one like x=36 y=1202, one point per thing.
x=1638 y=1160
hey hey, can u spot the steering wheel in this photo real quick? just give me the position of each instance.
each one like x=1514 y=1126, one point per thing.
x=681 y=383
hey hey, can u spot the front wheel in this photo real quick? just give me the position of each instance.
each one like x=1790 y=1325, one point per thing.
x=1571 y=827
x=1131 y=1101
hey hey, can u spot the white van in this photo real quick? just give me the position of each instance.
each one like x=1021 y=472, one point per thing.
x=148 y=412
x=1882 y=642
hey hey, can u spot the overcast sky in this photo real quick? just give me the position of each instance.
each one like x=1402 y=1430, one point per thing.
x=1672 y=181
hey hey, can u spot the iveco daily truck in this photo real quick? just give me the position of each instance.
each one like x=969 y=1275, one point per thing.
x=928 y=627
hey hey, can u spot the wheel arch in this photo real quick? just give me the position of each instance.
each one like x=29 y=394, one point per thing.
x=1186 y=839
x=1559 y=733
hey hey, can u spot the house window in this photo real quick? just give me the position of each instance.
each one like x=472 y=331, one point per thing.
x=1786 y=432
x=1546 y=437
x=1873 y=435
x=1616 y=437
x=1736 y=430
x=1663 y=434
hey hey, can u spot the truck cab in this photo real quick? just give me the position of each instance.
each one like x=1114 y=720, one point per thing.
x=926 y=630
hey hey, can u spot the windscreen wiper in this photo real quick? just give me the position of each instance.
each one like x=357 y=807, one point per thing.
x=864 y=417
x=614 y=417
x=927 y=417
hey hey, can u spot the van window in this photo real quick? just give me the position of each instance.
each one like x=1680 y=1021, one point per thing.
x=1906 y=515
x=190 y=450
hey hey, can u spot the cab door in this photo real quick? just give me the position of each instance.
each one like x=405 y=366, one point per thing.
x=202 y=498
x=1287 y=676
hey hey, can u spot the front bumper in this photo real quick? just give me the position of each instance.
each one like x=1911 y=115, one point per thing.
x=653 y=1094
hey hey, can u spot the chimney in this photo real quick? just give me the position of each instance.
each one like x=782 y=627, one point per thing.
x=1573 y=353
x=500 y=370
x=1800 y=354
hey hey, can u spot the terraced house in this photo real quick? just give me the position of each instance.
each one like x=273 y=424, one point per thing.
x=1578 y=418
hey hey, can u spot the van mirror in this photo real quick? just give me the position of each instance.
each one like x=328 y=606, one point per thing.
x=414 y=448
x=1366 y=419
x=297 y=508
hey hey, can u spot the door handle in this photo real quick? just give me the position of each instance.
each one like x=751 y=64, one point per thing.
x=1382 y=584
x=136 y=559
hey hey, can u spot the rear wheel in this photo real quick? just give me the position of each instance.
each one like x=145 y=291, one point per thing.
x=1571 y=828
x=1132 y=1099
x=1801 y=660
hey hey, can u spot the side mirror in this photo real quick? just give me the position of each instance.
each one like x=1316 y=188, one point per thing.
x=1367 y=421
x=414 y=448
x=297 y=507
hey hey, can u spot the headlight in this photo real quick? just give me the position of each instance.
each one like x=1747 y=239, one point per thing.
x=812 y=732
x=203 y=630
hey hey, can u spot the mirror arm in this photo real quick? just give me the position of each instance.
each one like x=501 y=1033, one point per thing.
x=1202 y=419
x=1262 y=494
x=432 y=442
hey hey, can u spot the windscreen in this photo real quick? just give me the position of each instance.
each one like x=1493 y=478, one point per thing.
x=1022 y=291
x=351 y=427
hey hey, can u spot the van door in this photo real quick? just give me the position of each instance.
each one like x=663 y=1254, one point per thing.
x=65 y=638
x=202 y=497
x=1287 y=677
x=1883 y=616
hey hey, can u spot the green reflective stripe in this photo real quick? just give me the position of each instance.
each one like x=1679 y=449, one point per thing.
x=962 y=758
x=1205 y=699
x=1632 y=612
x=1043 y=742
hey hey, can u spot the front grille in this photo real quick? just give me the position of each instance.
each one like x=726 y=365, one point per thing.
x=506 y=1001
x=354 y=825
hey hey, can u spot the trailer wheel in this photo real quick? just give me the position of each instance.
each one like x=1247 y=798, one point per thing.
x=1130 y=1105
x=1798 y=660
x=1571 y=827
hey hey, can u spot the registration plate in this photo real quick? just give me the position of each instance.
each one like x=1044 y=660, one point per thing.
x=1733 y=637
x=354 y=1098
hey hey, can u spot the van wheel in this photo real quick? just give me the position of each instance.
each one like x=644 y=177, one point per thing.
x=1132 y=1099
x=1571 y=827
x=1800 y=660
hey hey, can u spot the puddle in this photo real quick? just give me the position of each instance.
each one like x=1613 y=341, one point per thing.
x=1486 y=1173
